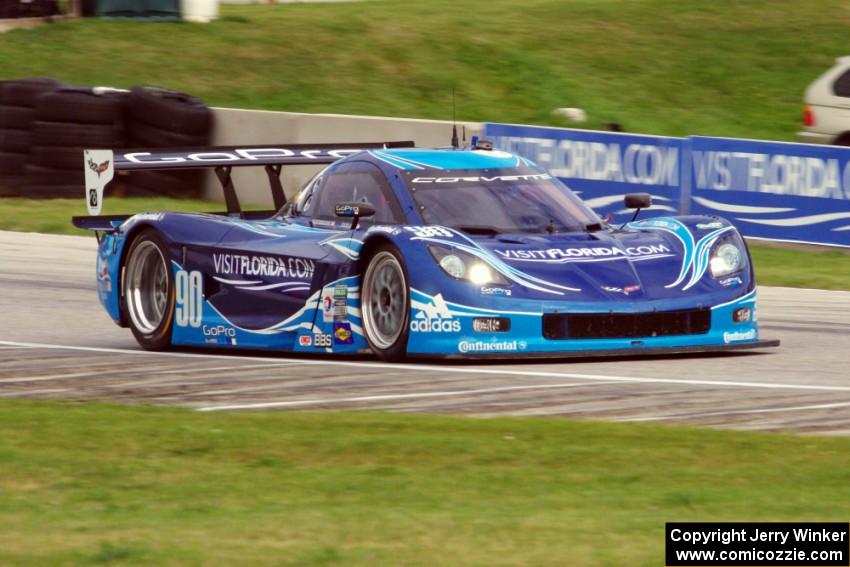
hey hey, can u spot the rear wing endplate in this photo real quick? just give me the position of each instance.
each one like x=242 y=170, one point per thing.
x=101 y=165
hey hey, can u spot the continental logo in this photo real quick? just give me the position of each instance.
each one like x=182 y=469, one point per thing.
x=730 y=337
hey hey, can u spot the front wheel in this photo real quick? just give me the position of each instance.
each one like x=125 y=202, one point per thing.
x=149 y=291
x=385 y=304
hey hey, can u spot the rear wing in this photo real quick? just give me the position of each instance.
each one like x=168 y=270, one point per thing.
x=101 y=165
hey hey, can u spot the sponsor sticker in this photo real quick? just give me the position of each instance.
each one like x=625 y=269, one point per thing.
x=327 y=309
x=466 y=346
x=491 y=324
x=484 y=179
x=305 y=340
x=423 y=324
x=488 y=290
x=218 y=331
x=586 y=253
x=322 y=340
x=733 y=281
x=624 y=290
x=709 y=225
x=394 y=230
x=248 y=265
x=429 y=231
x=342 y=334
x=434 y=317
x=219 y=334
x=103 y=279
x=730 y=337
x=340 y=312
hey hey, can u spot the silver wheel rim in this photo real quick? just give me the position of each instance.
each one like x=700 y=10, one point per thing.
x=384 y=300
x=146 y=287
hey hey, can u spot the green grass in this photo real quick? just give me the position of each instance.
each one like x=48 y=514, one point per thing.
x=98 y=484
x=795 y=268
x=673 y=67
x=54 y=215
x=774 y=266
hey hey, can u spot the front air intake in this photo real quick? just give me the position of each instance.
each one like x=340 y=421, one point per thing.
x=626 y=325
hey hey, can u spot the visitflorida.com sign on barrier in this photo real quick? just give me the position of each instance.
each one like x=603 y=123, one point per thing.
x=770 y=190
x=600 y=166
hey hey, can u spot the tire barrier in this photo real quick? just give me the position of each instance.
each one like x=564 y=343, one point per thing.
x=17 y=111
x=161 y=118
x=45 y=126
x=29 y=8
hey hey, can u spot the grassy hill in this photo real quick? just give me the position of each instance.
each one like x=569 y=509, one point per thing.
x=656 y=66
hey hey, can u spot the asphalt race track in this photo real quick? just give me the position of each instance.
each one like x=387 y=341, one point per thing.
x=56 y=342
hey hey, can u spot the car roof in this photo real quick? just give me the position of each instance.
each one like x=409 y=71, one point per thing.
x=449 y=158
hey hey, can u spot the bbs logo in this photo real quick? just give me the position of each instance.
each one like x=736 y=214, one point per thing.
x=321 y=340
x=429 y=231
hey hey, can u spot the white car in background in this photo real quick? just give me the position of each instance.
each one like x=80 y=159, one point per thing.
x=826 y=113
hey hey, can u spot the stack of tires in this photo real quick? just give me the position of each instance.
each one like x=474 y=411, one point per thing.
x=17 y=113
x=45 y=126
x=67 y=121
x=161 y=118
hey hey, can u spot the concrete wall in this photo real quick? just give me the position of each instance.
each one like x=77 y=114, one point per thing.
x=234 y=127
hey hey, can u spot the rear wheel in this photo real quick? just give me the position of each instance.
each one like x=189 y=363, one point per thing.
x=149 y=291
x=385 y=304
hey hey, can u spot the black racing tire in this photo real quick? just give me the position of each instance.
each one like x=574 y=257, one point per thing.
x=12 y=163
x=70 y=134
x=142 y=135
x=25 y=92
x=80 y=106
x=385 y=303
x=15 y=141
x=16 y=117
x=57 y=157
x=148 y=291
x=842 y=140
x=169 y=110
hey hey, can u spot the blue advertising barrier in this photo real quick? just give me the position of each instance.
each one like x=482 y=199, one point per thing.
x=773 y=190
x=770 y=190
x=601 y=166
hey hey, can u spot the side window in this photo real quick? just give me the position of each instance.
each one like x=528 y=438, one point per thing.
x=358 y=182
x=841 y=86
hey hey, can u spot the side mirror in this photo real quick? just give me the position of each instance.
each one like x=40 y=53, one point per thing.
x=637 y=201
x=354 y=211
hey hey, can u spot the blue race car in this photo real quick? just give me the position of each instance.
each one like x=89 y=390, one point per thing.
x=402 y=251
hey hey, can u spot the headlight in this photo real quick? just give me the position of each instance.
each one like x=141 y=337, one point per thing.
x=464 y=266
x=727 y=258
x=453 y=266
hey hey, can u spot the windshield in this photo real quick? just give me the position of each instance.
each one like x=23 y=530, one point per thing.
x=499 y=200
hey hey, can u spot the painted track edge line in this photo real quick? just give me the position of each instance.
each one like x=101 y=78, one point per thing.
x=449 y=369
x=390 y=397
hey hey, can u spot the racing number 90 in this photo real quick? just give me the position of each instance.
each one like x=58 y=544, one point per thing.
x=189 y=297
